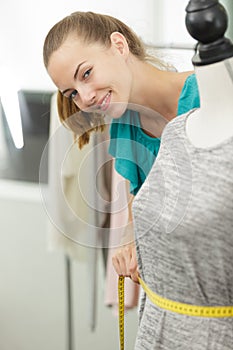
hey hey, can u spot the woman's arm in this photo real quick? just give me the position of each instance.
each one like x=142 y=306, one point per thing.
x=124 y=260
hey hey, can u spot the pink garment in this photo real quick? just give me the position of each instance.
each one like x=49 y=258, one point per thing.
x=119 y=219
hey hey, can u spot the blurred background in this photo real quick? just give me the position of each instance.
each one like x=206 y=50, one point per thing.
x=44 y=294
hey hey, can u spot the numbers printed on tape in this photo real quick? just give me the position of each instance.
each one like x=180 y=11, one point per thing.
x=121 y=310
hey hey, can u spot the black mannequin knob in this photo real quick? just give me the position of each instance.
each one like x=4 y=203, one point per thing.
x=206 y=21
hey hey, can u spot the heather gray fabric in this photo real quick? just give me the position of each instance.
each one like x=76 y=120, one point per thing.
x=183 y=218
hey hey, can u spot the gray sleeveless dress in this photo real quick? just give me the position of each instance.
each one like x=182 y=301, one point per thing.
x=183 y=219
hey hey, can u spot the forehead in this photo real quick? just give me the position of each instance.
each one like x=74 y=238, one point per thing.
x=70 y=54
x=73 y=49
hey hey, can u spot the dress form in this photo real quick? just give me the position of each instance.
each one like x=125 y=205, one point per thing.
x=213 y=64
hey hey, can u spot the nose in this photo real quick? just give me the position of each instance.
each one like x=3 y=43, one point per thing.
x=86 y=97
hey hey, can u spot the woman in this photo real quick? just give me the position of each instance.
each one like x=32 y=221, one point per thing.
x=100 y=65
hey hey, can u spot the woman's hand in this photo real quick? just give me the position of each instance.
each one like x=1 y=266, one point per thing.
x=125 y=261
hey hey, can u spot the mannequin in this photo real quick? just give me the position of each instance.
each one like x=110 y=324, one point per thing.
x=183 y=213
x=213 y=122
x=213 y=64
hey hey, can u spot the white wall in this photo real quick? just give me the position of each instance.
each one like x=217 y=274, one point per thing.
x=32 y=289
x=33 y=299
x=24 y=25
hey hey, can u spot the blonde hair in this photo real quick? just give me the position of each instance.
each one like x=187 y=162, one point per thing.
x=90 y=27
x=81 y=123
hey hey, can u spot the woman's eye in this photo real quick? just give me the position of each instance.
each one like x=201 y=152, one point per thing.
x=86 y=74
x=73 y=94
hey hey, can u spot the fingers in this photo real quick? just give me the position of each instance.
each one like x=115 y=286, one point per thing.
x=133 y=267
x=134 y=277
x=121 y=261
x=125 y=262
x=133 y=262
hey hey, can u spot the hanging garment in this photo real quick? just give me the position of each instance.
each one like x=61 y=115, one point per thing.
x=66 y=209
x=78 y=197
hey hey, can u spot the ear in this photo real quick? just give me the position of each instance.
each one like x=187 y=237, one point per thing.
x=119 y=42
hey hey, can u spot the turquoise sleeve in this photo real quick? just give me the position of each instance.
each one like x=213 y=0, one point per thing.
x=133 y=150
x=189 y=97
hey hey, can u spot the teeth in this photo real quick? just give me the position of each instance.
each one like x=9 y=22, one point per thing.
x=105 y=100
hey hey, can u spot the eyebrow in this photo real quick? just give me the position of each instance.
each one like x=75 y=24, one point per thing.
x=75 y=76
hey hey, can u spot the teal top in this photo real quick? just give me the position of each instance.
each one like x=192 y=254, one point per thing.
x=133 y=150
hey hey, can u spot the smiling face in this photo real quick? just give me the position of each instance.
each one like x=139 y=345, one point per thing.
x=95 y=77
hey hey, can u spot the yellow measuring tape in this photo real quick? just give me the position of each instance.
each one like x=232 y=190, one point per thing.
x=174 y=306
x=187 y=309
x=121 y=310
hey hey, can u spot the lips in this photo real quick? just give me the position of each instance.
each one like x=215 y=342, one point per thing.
x=103 y=105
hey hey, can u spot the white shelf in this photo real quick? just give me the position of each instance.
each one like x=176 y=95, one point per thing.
x=19 y=190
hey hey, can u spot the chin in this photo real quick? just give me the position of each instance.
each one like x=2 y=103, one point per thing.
x=116 y=110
